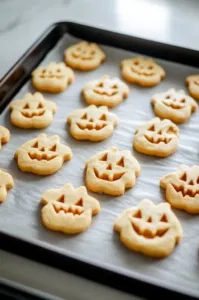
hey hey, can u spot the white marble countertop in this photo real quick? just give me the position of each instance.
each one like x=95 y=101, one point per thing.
x=21 y=22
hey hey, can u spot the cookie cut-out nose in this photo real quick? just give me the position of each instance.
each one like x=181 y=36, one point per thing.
x=91 y=120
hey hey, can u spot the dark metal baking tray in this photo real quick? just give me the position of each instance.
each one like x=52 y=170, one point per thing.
x=131 y=281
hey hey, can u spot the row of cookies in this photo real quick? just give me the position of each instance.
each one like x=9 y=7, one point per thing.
x=87 y=56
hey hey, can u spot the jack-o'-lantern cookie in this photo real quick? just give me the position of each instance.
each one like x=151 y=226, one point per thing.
x=92 y=123
x=42 y=155
x=157 y=138
x=173 y=105
x=193 y=85
x=105 y=91
x=84 y=56
x=111 y=171
x=142 y=71
x=32 y=111
x=68 y=210
x=53 y=78
x=150 y=229
x=4 y=136
x=6 y=183
x=182 y=188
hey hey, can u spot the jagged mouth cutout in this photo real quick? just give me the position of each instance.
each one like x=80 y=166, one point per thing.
x=160 y=138
x=140 y=69
x=100 y=89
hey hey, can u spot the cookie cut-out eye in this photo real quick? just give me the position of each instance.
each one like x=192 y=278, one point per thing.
x=79 y=202
x=136 y=62
x=138 y=214
x=149 y=220
x=150 y=67
x=26 y=106
x=103 y=118
x=114 y=86
x=58 y=70
x=61 y=199
x=84 y=117
x=198 y=180
x=35 y=145
x=44 y=71
x=100 y=84
x=53 y=148
x=184 y=177
x=121 y=162
x=104 y=157
x=152 y=128
x=183 y=100
x=40 y=105
x=164 y=218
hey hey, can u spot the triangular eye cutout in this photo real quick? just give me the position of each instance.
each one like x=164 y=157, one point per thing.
x=61 y=199
x=79 y=203
x=151 y=128
x=26 y=106
x=53 y=148
x=184 y=177
x=35 y=145
x=121 y=162
x=109 y=167
x=138 y=214
x=103 y=118
x=84 y=117
x=149 y=220
x=164 y=218
x=104 y=157
x=40 y=105
x=198 y=180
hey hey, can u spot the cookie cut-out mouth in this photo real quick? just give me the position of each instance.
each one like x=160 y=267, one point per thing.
x=27 y=114
x=174 y=105
x=158 y=140
x=185 y=191
x=143 y=72
x=75 y=210
x=39 y=156
x=148 y=233
x=106 y=93
x=91 y=126
x=108 y=177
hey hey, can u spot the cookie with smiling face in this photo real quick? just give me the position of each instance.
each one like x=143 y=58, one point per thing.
x=42 y=155
x=92 y=123
x=105 y=91
x=151 y=229
x=68 y=210
x=32 y=111
x=84 y=56
x=174 y=105
x=53 y=78
x=111 y=171
x=156 y=138
x=142 y=71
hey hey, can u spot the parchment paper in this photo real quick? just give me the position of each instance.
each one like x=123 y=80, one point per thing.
x=20 y=213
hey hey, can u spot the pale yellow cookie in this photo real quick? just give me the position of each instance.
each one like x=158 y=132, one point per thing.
x=105 y=91
x=6 y=183
x=32 y=111
x=150 y=229
x=111 y=171
x=142 y=71
x=53 y=78
x=68 y=210
x=4 y=136
x=193 y=85
x=182 y=188
x=84 y=56
x=173 y=105
x=42 y=155
x=157 y=138
x=92 y=123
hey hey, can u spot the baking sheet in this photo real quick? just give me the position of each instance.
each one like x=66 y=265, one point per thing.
x=20 y=213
